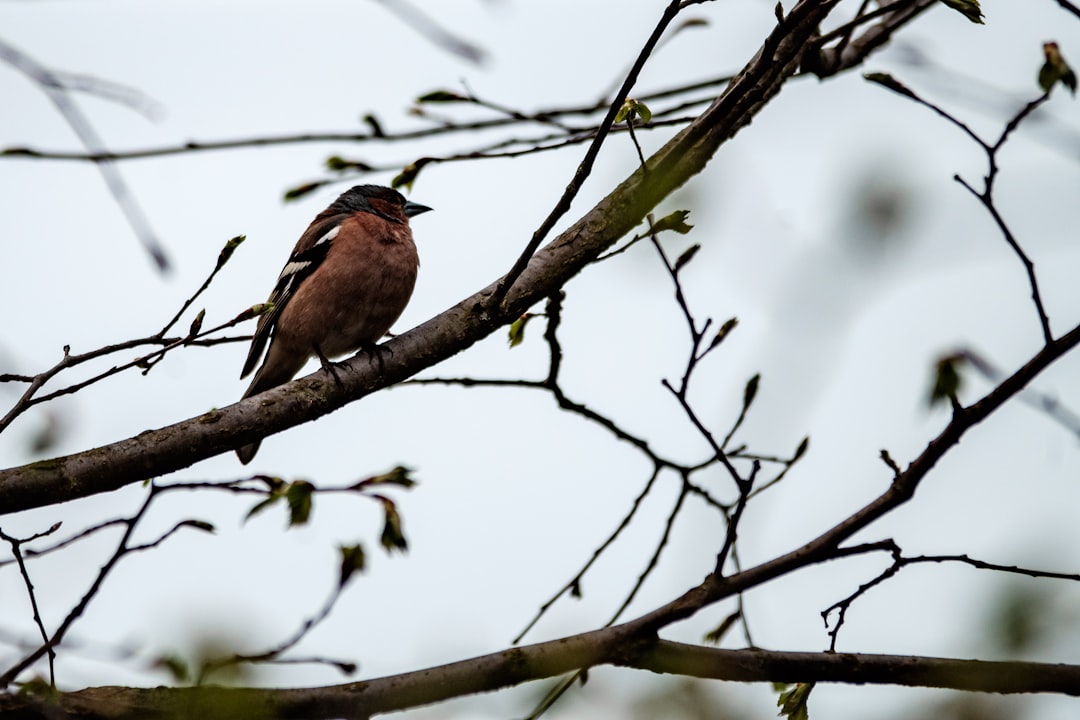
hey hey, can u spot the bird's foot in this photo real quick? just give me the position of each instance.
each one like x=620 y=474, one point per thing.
x=375 y=351
x=330 y=367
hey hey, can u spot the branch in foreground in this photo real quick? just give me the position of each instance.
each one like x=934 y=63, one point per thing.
x=615 y=646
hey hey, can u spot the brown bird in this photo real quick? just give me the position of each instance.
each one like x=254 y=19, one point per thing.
x=347 y=280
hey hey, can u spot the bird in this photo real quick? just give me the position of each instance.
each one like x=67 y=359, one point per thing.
x=345 y=283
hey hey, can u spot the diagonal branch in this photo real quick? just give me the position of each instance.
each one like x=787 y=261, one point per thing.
x=585 y=167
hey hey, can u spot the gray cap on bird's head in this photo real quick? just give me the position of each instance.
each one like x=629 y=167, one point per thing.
x=358 y=199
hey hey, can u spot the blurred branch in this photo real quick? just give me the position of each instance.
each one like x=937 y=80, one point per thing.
x=273 y=655
x=53 y=86
x=436 y=34
x=1043 y=402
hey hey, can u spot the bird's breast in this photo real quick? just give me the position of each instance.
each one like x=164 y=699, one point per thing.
x=358 y=291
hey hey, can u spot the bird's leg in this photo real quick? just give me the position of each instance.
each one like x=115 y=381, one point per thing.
x=328 y=366
x=375 y=350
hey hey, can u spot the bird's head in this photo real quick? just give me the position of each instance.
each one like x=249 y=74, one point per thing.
x=378 y=200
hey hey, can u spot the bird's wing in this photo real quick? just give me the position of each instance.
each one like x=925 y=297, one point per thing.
x=309 y=252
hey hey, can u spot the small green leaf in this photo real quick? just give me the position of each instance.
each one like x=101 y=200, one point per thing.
x=301 y=190
x=298 y=494
x=352 y=560
x=175 y=666
x=792 y=701
x=336 y=163
x=262 y=505
x=888 y=81
x=517 y=329
x=39 y=687
x=400 y=476
x=691 y=23
x=199 y=525
x=724 y=331
x=643 y=111
x=441 y=96
x=254 y=311
x=947 y=379
x=392 y=537
x=714 y=636
x=1055 y=70
x=673 y=221
x=272 y=482
x=373 y=122
x=687 y=255
x=228 y=250
x=968 y=8
x=408 y=174
x=633 y=109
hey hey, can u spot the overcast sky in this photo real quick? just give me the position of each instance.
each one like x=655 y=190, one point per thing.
x=843 y=324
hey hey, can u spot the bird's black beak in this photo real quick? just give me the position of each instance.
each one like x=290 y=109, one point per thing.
x=413 y=209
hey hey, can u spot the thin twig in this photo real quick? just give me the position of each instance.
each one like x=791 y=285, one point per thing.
x=585 y=167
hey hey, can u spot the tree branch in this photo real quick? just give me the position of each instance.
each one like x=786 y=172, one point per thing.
x=616 y=646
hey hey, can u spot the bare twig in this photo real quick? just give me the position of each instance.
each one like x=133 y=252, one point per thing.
x=574 y=585
x=195 y=336
x=508 y=118
x=16 y=550
x=985 y=196
x=585 y=168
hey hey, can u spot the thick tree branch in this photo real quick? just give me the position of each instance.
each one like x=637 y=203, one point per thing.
x=618 y=646
x=157 y=452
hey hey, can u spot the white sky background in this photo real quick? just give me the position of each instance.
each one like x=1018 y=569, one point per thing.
x=514 y=496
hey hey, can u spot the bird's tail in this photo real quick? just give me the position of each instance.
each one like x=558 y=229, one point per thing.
x=273 y=372
x=247 y=452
